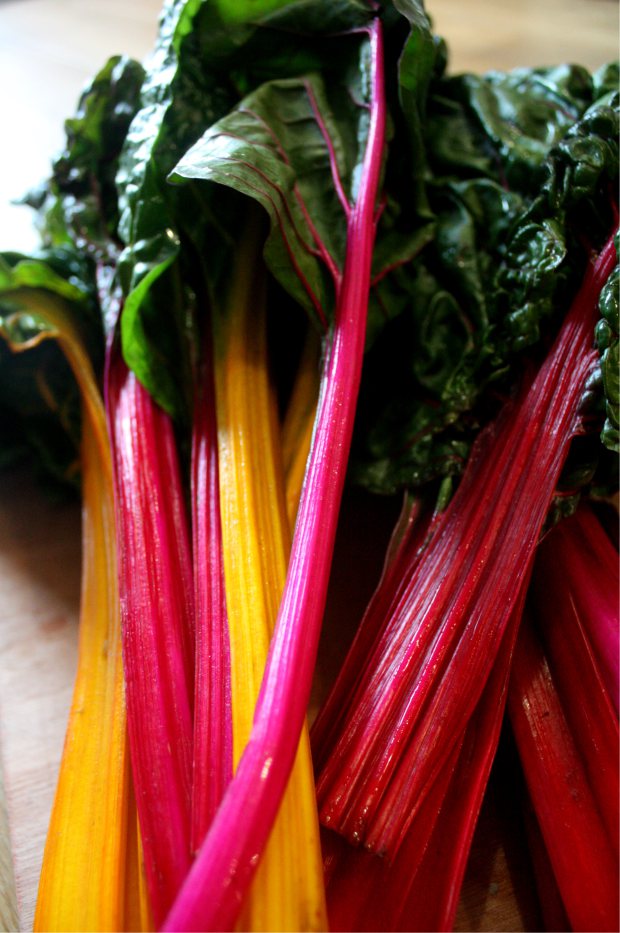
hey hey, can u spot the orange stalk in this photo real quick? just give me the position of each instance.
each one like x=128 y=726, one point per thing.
x=82 y=885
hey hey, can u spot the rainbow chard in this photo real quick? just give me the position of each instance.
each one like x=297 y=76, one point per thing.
x=80 y=210
x=311 y=152
x=287 y=892
x=438 y=645
x=432 y=652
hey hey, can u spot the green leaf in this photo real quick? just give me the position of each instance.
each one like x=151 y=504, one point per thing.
x=502 y=268
x=275 y=149
x=505 y=124
x=80 y=204
x=39 y=399
x=208 y=56
x=608 y=343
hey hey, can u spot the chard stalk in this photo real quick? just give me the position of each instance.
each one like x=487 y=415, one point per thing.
x=138 y=914
x=583 y=861
x=155 y=583
x=227 y=860
x=565 y=613
x=287 y=891
x=422 y=681
x=549 y=897
x=213 y=758
x=581 y=555
x=82 y=884
x=419 y=889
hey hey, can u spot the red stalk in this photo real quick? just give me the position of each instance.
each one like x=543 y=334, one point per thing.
x=155 y=585
x=549 y=897
x=419 y=888
x=213 y=755
x=422 y=683
x=212 y=895
x=563 y=623
x=580 y=556
x=407 y=542
x=582 y=858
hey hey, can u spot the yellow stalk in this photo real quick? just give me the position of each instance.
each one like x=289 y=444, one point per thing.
x=287 y=892
x=82 y=885
x=299 y=422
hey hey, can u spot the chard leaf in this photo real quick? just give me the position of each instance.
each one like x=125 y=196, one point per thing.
x=421 y=55
x=607 y=341
x=488 y=292
x=284 y=148
x=296 y=145
x=208 y=56
x=515 y=118
x=78 y=205
x=63 y=276
x=39 y=398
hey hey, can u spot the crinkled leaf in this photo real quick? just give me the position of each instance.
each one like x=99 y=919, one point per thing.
x=78 y=205
x=511 y=120
x=208 y=56
x=497 y=277
x=607 y=340
x=606 y=80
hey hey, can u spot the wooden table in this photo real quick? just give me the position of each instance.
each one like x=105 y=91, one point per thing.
x=48 y=49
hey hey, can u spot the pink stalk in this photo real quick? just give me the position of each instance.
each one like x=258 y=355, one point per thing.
x=445 y=862
x=212 y=713
x=155 y=585
x=213 y=893
x=422 y=683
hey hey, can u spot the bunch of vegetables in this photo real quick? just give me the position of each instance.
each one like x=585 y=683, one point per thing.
x=451 y=242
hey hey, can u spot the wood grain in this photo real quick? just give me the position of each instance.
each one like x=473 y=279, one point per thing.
x=48 y=49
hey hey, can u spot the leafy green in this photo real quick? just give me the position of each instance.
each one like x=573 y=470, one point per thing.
x=208 y=56
x=487 y=292
x=492 y=185
x=274 y=149
x=39 y=399
x=607 y=342
x=78 y=205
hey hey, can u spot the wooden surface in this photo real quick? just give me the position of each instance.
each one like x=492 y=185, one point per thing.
x=48 y=49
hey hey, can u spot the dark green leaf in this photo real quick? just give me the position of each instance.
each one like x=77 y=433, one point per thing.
x=208 y=56
x=504 y=264
x=608 y=341
x=39 y=399
x=78 y=206
x=275 y=149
